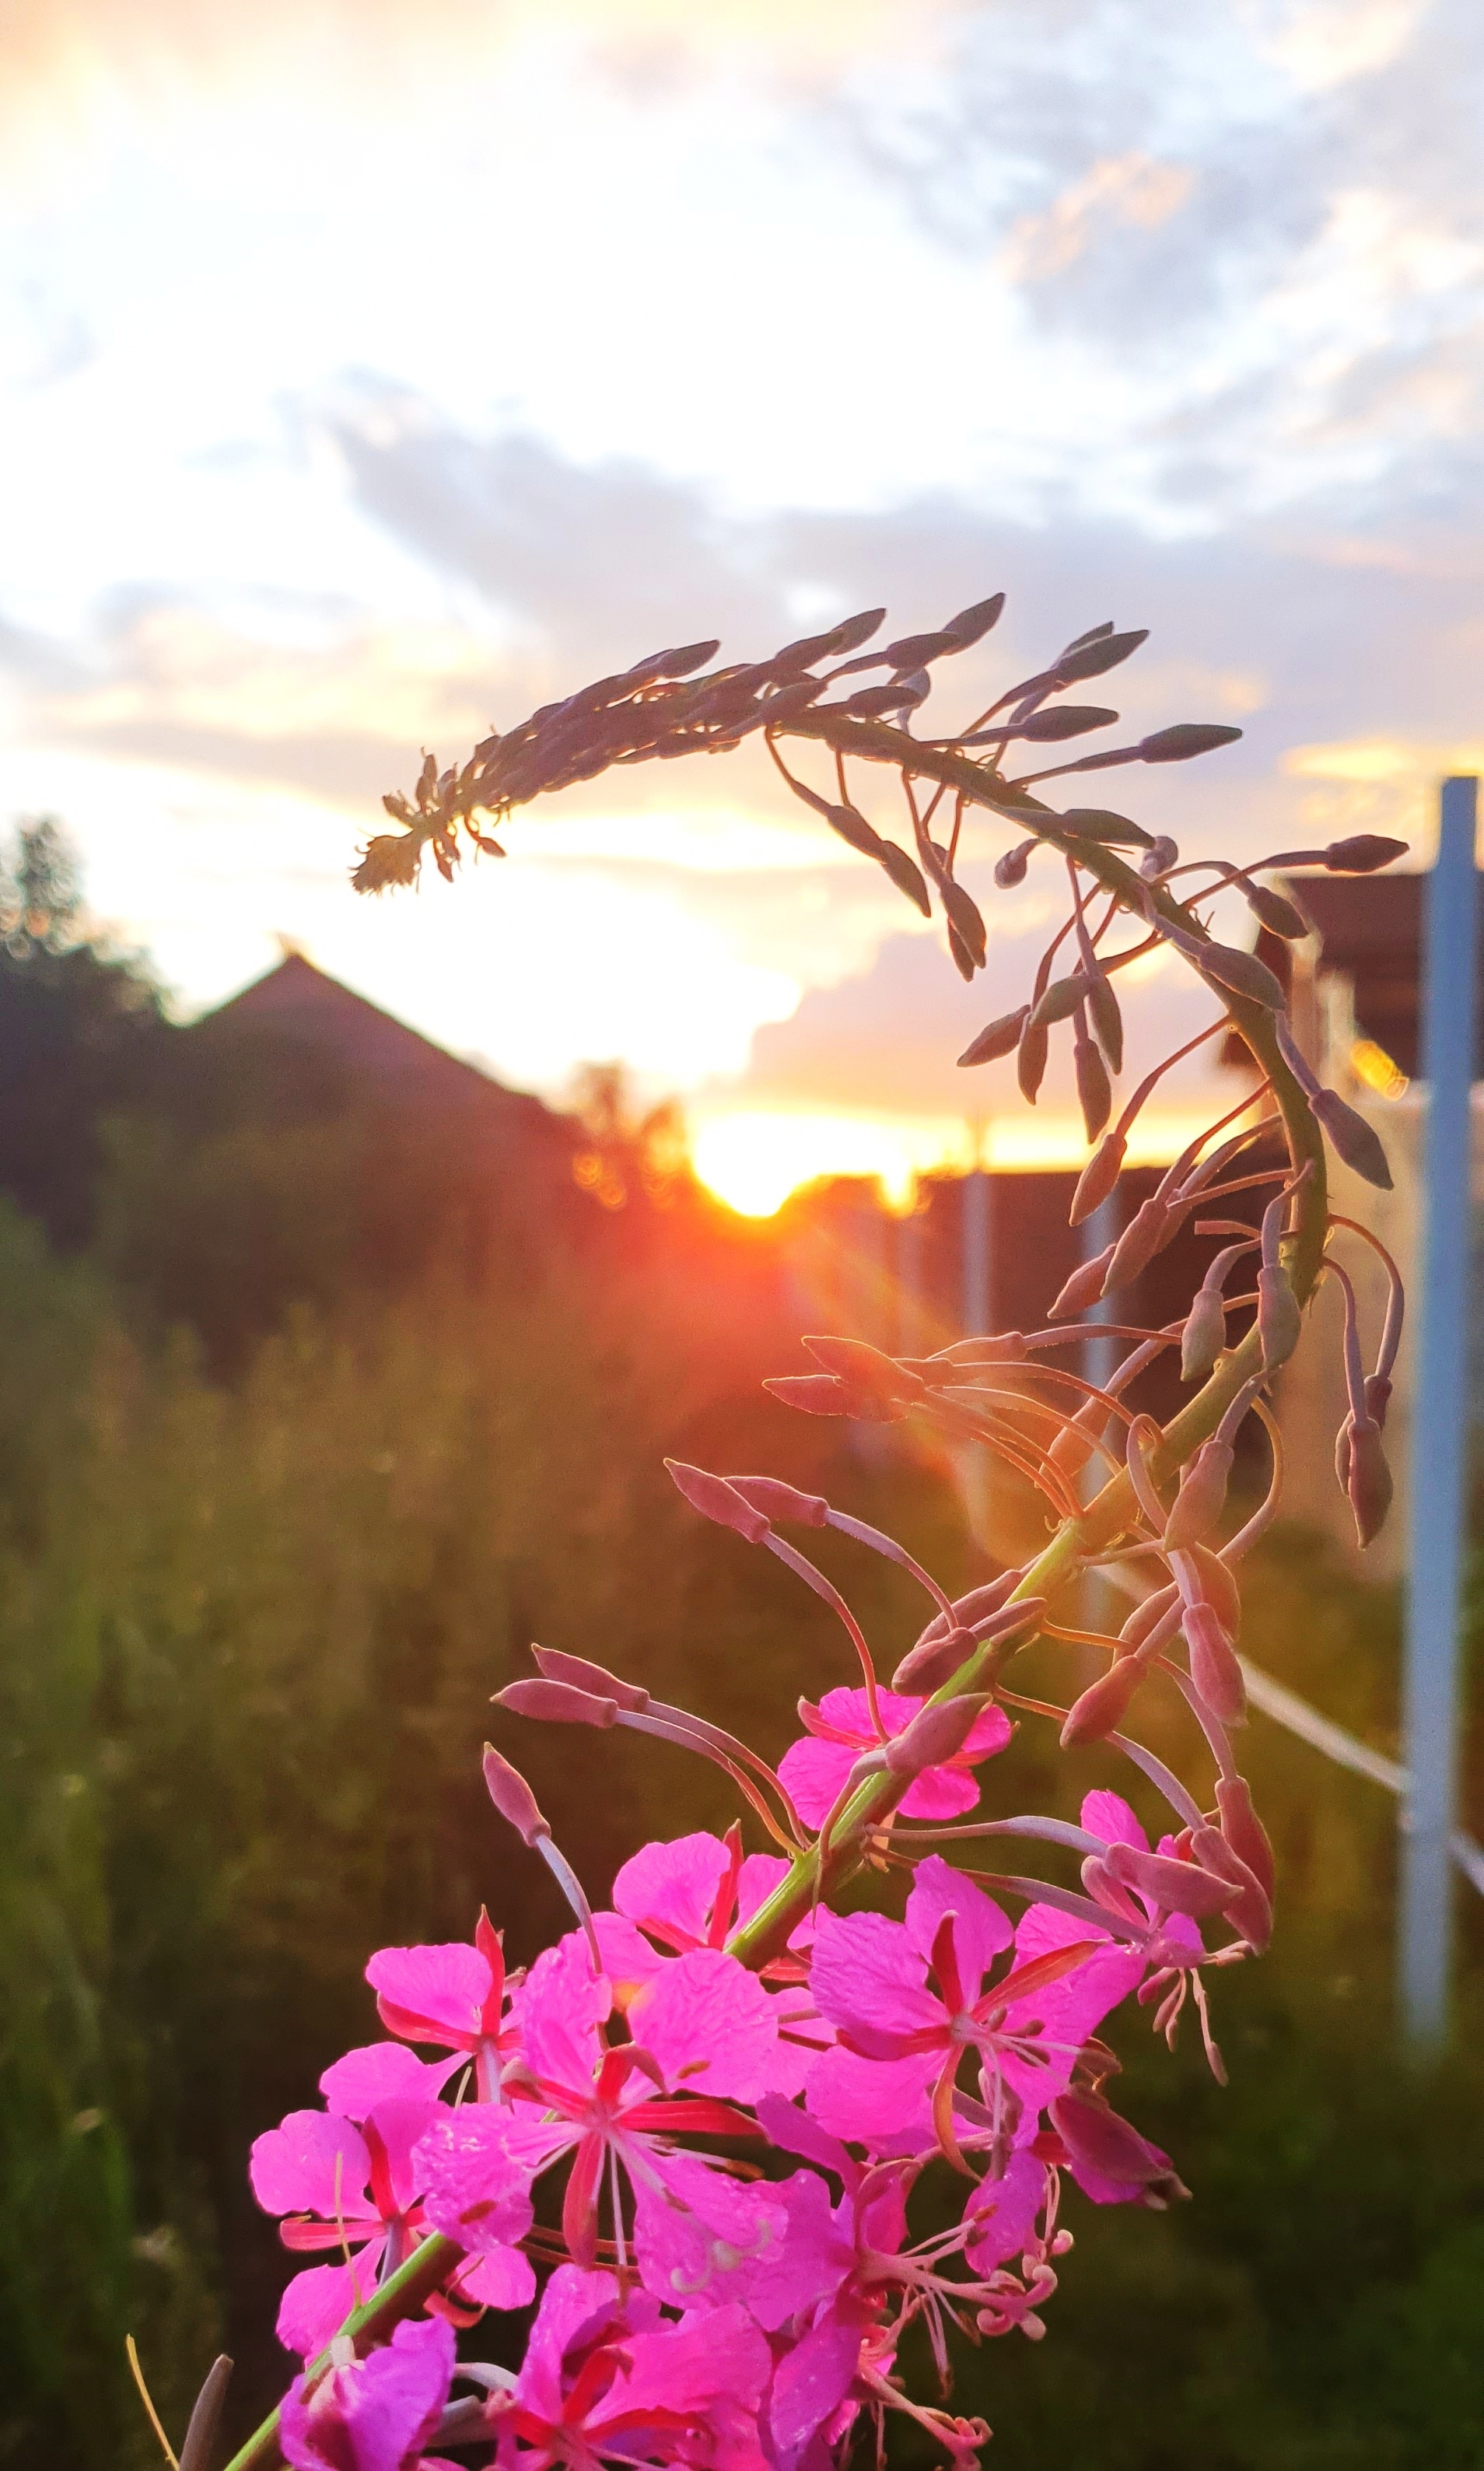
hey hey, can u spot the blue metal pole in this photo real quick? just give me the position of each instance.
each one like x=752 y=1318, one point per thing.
x=1439 y=1424
x=976 y=1253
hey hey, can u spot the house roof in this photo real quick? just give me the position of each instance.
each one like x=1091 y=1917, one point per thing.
x=379 y=1053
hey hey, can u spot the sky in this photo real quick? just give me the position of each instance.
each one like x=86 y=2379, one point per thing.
x=370 y=373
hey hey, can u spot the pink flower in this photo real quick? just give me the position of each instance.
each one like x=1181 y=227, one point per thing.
x=690 y=1893
x=376 y=2414
x=703 y=2017
x=357 y=2192
x=600 y=2384
x=454 y=1995
x=908 y=1998
x=840 y=1728
x=383 y=2071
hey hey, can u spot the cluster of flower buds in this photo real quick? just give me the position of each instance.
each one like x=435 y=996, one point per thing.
x=690 y=2137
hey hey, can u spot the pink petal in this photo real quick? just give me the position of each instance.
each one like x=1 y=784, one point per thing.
x=383 y=2071
x=1109 y=1815
x=442 y=1987
x=500 y=2278
x=629 y=1961
x=713 y=2027
x=809 y=2383
x=880 y=2104
x=374 y=2414
x=1005 y=2213
x=684 y=2367
x=316 y=2303
x=869 y=1980
x=761 y=1873
x=400 y=2125
x=477 y=2165
x=981 y=1931
x=812 y=1774
x=574 y=2309
x=1075 y=2007
x=674 y=1885
x=310 y=2164
x=770 y=2247
x=940 y=1792
x=562 y=2005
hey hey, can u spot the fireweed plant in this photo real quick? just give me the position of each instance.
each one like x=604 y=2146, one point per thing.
x=735 y=2085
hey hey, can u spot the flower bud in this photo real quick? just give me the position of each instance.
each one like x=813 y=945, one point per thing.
x=595 y=1680
x=1001 y=1038
x=1369 y=1483
x=1278 y=1320
x=1094 y=1091
x=819 y=1394
x=1104 y=1704
x=1106 y=1018
x=1059 y=1002
x=1243 y=1830
x=1098 y=1177
x=865 y=1368
x=1159 y=860
x=1214 y=1666
x=1010 y=869
x=557 y=1702
x=934 y=1735
x=1138 y=1244
x=713 y=1497
x=1105 y=1889
x=1362 y=854
x=1083 y=1287
x=1184 y=739
x=1078 y=1439
x=1239 y=974
x=777 y=1500
x=1106 y=2145
x=1144 y=1618
x=1342 y=1455
x=1204 y=1335
x=934 y=1660
x=1031 y=1060
x=1353 y=1139
x=973 y=1607
x=1201 y=1498
x=513 y=1796
x=1250 y=1910
x=1218 y=1583
x=1278 y=915
x=1378 y=1398
x=1175 y=1887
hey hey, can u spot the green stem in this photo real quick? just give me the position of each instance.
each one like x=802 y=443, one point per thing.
x=429 y=2266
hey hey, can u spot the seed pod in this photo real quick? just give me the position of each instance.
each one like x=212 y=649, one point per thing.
x=865 y=1368
x=1091 y=655
x=1362 y=854
x=1001 y=1038
x=1163 y=854
x=713 y=1497
x=1239 y=974
x=1204 y=1336
x=975 y=622
x=1031 y=1060
x=1141 y=1240
x=1214 y=1666
x=1098 y=1177
x=1059 y=1002
x=557 y=1702
x=1177 y=1887
x=1083 y=1287
x=513 y=1796
x=1185 y=739
x=1278 y=915
x=1369 y=1484
x=1201 y=1498
x=778 y=1500
x=1102 y=1706
x=1250 y=1910
x=1094 y=1094
x=1243 y=1830
x=1010 y=869
x=1278 y=1320
x=595 y=1679
x=934 y=1735
x=1102 y=824
x=1353 y=1138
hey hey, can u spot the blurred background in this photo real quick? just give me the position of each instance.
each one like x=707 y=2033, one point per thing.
x=366 y=377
